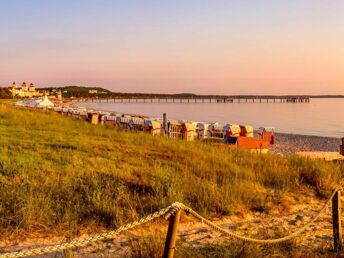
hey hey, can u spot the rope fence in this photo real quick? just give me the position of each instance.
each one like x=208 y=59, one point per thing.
x=173 y=213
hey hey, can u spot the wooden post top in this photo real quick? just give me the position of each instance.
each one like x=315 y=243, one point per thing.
x=337 y=223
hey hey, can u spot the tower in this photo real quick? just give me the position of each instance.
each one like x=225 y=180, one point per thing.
x=24 y=90
x=32 y=87
x=31 y=90
x=14 y=89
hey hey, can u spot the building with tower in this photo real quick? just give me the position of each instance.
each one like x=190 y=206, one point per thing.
x=24 y=91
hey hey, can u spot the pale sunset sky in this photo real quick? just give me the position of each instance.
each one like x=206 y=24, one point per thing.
x=205 y=47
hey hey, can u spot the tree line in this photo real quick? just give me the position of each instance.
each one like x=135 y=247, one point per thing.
x=5 y=93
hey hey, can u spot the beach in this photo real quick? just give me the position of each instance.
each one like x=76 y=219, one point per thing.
x=97 y=160
x=290 y=143
x=313 y=118
x=171 y=129
x=286 y=144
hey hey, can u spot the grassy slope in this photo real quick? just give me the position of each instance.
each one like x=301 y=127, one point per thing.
x=57 y=173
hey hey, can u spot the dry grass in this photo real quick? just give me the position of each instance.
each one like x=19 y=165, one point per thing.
x=147 y=244
x=57 y=173
x=151 y=244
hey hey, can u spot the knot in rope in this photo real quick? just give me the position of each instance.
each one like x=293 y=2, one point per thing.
x=173 y=208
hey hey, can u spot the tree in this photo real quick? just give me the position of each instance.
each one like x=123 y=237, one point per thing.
x=5 y=93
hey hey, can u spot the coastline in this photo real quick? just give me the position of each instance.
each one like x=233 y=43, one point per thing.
x=287 y=144
x=316 y=118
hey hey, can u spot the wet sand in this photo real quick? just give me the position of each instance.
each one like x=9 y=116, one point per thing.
x=286 y=144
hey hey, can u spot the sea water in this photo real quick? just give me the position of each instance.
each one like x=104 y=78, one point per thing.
x=322 y=117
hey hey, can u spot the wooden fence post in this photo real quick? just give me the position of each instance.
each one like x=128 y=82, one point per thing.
x=164 y=123
x=171 y=237
x=337 y=223
x=341 y=150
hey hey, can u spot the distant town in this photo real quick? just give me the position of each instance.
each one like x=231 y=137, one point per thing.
x=25 y=91
x=31 y=91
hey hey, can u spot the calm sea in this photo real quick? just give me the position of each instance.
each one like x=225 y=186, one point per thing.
x=323 y=117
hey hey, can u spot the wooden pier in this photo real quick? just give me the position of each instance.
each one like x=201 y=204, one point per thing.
x=203 y=99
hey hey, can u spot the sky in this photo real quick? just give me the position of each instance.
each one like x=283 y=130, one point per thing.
x=205 y=47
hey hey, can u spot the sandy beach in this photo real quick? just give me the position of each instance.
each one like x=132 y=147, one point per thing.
x=286 y=144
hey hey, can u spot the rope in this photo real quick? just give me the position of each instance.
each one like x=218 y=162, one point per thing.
x=166 y=212
x=98 y=237
x=260 y=241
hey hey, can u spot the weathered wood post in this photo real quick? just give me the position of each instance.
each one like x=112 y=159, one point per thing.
x=171 y=237
x=341 y=150
x=337 y=222
x=164 y=123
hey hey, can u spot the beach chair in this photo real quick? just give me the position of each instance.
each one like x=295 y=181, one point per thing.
x=216 y=131
x=188 y=131
x=83 y=115
x=57 y=109
x=64 y=111
x=125 y=122
x=202 y=131
x=152 y=127
x=93 y=117
x=136 y=124
x=267 y=133
x=246 y=131
x=174 y=129
x=232 y=130
x=110 y=120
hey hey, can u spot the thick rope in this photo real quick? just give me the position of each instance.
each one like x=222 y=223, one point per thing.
x=85 y=241
x=166 y=212
x=260 y=241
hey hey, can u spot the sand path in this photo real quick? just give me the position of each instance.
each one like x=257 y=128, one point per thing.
x=194 y=233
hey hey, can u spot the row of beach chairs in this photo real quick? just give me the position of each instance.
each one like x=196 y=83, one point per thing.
x=186 y=130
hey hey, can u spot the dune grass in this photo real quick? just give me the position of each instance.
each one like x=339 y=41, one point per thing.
x=151 y=244
x=58 y=173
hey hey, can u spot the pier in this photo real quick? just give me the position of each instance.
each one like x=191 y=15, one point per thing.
x=202 y=99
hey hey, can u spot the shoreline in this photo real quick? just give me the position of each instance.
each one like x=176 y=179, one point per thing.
x=287 y=144
x=293 y=125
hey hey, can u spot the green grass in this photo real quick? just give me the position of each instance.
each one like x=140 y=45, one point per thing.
x=57 y=174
